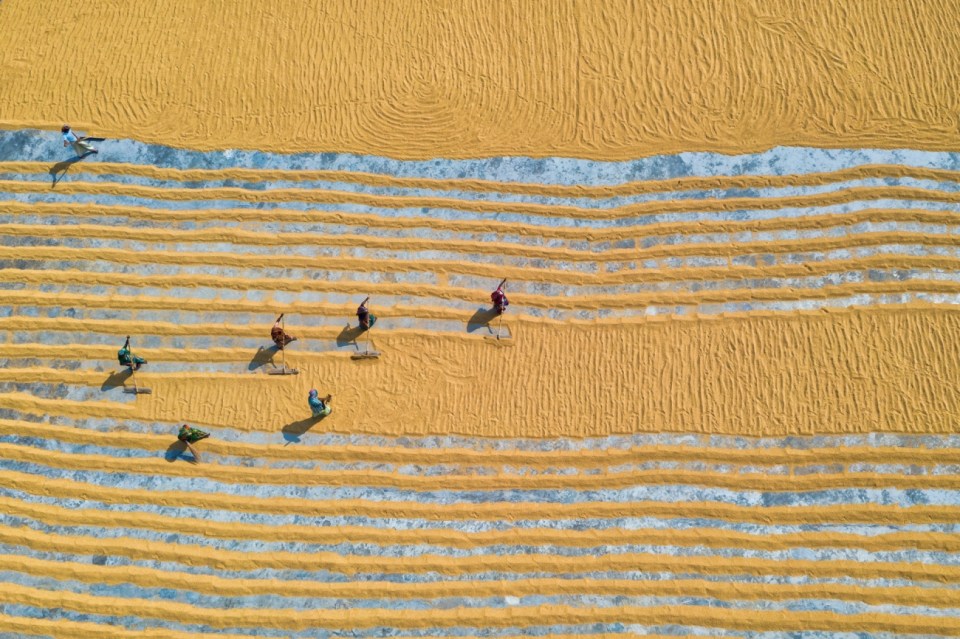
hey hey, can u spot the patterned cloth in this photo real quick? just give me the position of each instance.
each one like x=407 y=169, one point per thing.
x=367 y=319
x=127 y=359
x=280 y=337
x=317 y=405
x=500 y=301
x=191 y=435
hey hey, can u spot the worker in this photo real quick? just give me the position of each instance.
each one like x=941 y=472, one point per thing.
x=279 y=336
x=499 y=298
x=367 y=319
x=190 y=436
x=126 y=358
x=319 y=407
x=80 y=145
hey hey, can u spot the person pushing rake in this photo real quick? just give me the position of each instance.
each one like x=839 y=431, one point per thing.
x=281 y=338
x=80 y=145
x=190 y=436
x=366 y=320
x=499 y=298
x=279 y=335
x=500 y=304
x=364 y=316
x=127 y=358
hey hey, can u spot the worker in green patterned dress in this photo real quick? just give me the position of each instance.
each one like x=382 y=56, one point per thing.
x=189 y=436
x=126 y=358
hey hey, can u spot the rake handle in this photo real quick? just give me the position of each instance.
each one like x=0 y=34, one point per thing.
x=283 y=342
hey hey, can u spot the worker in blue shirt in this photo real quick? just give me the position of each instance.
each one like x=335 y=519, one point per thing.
x=80 y=145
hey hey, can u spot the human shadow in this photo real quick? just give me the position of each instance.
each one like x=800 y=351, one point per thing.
x=58 y=170
x=116 y=380
x=294 y=430
x=262 y=357
x=481 y=319
x=176 y=450
x=349 y=335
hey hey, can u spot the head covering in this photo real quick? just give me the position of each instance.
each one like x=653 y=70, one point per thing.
x=64 y=128
x=313 y=392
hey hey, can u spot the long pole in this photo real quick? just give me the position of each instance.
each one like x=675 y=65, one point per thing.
x=500 y=323
x=283 y=343
x=133 y=370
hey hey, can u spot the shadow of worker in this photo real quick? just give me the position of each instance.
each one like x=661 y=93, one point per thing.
x=262 y=357
x=58 y=170
x=481 y=319
x=349 y=335
x=294 y=430
x=116 y=380
x=176 y=450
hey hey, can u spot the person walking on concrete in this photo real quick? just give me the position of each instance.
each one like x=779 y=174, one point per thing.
x=80 y=145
